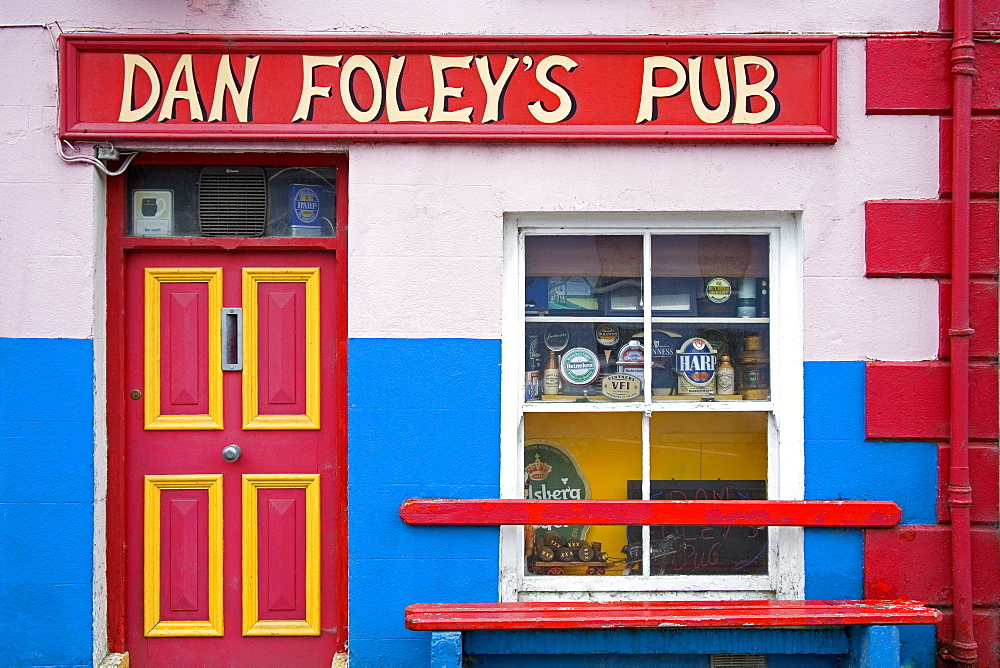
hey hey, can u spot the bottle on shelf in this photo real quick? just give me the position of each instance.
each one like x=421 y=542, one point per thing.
x=754 y=381
x=725 y=377
x=551 y=383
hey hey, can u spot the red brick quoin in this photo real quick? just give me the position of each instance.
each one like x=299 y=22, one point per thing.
x=910 y=400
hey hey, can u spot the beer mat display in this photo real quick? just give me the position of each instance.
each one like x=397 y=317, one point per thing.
x=561 y=359
x=702 y=550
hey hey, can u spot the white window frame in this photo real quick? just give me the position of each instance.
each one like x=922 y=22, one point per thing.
x=785 y=579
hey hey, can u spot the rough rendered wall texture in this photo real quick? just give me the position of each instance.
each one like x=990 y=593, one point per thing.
x=47 y=315
x=422 y=215
x=46 y=501
x=47 y=218
x=575 y=17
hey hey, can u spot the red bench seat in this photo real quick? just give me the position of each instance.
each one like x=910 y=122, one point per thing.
x=662 y=614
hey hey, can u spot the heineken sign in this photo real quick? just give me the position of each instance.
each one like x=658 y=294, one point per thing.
x=579 y=366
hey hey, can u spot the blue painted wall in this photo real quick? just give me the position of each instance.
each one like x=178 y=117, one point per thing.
x=430 y=434
x=436 y=433
x=841 y=464
x=46 y=501
x=424 y=421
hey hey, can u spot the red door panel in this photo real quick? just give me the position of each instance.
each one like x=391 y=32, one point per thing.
x=282 y=354
x=184 y=555
x=184 y=327
x=233 y=562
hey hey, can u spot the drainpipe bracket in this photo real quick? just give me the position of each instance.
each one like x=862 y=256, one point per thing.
x=959 y=496
x=961 y=652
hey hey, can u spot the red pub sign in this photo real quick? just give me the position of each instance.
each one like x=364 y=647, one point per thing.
x=616 y=88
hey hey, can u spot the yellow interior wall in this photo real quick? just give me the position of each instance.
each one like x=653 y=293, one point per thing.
x=684 y=446
x=708 y=446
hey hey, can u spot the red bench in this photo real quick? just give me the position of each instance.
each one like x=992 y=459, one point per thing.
x=865 y=631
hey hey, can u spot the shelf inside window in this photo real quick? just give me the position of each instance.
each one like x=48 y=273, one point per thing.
x=693 y=320
x=578 y=404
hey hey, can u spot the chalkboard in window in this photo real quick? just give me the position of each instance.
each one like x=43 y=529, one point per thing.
x=701 y=550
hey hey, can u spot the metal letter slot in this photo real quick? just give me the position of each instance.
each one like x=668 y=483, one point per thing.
x=232 y=339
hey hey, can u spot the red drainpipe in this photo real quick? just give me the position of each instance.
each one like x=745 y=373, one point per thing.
x=963 y=644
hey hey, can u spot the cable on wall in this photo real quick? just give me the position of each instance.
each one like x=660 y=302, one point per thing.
x=104 y=151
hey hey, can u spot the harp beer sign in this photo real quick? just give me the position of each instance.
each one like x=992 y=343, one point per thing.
x=655 y=88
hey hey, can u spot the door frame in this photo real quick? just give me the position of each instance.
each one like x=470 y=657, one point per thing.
x=116 y=502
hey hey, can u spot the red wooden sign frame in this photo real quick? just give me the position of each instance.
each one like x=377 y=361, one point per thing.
x=449 y=88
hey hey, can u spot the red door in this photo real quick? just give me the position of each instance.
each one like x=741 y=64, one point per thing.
x=233 y=552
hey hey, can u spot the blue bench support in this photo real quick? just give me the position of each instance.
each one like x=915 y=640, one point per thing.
x=446 y=649
x=874 y=647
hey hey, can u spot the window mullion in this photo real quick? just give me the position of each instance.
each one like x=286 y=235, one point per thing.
x=646 y=559
x=647 y=374
x=647 y=318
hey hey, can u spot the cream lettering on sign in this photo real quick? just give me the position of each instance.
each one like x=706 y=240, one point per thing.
x=442 y=91
x=173 y=94
x=309 y=89
x=762 y=89
x=567 y=105
x=495 y=89
x=351 y=104
x=129 y=112
x=394 y=98
x=651 y=92
x=724 y=109
x=225 y=82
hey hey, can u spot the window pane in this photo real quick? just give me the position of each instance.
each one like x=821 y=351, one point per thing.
x=710 y=308
x=710 y=360
x=583 y=304
x=571 y=456
x=231 y=201
x=717 y=456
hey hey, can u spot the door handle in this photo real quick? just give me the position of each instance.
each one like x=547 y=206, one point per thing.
x=232 y=339
x=231 y=453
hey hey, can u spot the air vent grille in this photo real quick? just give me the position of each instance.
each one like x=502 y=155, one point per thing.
x=738 y=661
x=232 y=201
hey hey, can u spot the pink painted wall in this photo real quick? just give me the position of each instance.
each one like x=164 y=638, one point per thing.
x=571 y=17
x=47 y=219
x=407 y=199
x=424 y=214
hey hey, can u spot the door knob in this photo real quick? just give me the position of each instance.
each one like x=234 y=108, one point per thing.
x=231 y=453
